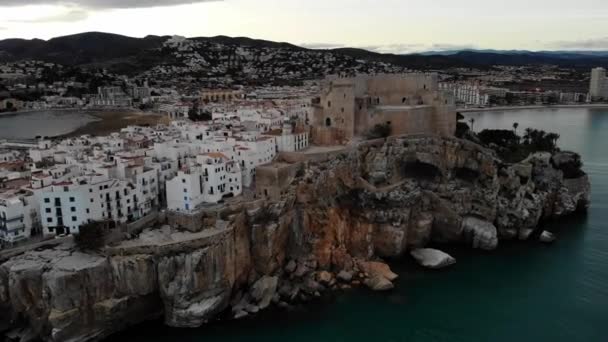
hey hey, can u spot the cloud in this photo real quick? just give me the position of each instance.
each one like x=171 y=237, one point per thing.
x=584 y=44
x=69 y=16
x=102 y=4
x=321 y=46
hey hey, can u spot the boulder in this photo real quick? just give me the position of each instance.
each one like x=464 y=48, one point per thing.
x=377 y=269
x=432 y=258
x=311 y=286
x=325 y=278
x=291 y=266
x=241 y=314
x=252 y=308
x=263 y=290
x=480 y=233
x=546 y=237
x=379 y=283
x=301 y=270
x=345 y=276
x=524 y=234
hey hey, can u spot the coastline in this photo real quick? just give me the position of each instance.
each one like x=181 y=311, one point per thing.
x=512 y=108
x=84 y=110
x=103 y=121
x=110 y=121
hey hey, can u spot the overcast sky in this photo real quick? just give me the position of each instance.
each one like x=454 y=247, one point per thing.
x=381 y=25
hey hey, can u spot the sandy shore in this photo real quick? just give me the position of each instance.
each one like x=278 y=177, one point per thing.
x=507 y=108
x=113 y=121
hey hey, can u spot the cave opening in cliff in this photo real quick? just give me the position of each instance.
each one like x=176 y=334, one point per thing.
x=420 y=170
x=466 y=174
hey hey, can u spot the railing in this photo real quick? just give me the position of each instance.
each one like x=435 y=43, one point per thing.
x=16 y=218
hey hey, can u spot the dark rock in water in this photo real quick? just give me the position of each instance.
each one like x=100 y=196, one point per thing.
x=432 y=258
x=547 y=237
x=379 y=283
x=264 y=290
x=480 y=234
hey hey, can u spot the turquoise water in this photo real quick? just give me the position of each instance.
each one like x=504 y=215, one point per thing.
x=521 y=292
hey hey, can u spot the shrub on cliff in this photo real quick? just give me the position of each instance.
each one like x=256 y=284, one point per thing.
x=92 y=236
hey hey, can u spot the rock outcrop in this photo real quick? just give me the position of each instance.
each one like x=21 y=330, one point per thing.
x=432 y=258
x=333 y=222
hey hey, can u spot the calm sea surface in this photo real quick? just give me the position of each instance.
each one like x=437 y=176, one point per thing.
x=521 y=292
x=43 y=123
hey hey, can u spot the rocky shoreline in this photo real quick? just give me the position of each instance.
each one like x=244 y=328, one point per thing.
x=335 y=221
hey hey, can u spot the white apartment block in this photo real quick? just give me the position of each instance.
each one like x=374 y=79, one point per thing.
x=66 y=206
x=210 y=179
x=598 y=89
x=18 y=215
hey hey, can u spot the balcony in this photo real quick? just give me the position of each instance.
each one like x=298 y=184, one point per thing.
x=12 y=219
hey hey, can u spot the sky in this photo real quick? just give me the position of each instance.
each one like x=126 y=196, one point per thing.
x=398 y=26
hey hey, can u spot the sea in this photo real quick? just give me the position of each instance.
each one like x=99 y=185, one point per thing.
x=46 y=123
x=524 y=291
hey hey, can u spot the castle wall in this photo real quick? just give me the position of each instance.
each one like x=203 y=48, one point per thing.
x=350 y=107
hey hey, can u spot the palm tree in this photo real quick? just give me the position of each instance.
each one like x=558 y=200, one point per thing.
x=528 y=135
x=472 y=121
x=515 y=125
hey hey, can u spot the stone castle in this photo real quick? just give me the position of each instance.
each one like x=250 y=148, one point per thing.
x=350 y=107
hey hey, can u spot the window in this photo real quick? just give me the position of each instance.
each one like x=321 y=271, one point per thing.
x=47 y=200
x=328 y=104
x=328 y=122
x=88 y=211
x=90 y=190
x=66 y=189
x=48 y=210
x=49 y=220
x=74 y=218
x=72 y=199
x=92 y=200
x=73 y=209
x=185 y=190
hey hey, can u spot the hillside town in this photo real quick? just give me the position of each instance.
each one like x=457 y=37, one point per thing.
x=52 y=187
x=221 y=128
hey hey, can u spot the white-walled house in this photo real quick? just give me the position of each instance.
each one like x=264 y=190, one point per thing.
x=210 y=179
x=18 y=215
x=289 y=141
x=66 y=206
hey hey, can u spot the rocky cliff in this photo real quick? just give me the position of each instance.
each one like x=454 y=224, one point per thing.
x=333 y=222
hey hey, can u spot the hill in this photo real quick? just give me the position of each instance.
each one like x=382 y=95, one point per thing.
x=97 y=48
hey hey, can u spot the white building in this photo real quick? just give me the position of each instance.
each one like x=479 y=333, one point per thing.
x=598 y=89
x=289 y=141
x=18 y=215
x=210 y=179
x=68 y=205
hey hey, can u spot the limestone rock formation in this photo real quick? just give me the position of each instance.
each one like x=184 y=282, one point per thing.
x=329 y=229
x=432 y=258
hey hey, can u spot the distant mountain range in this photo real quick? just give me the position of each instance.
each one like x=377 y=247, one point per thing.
x=97 y=47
